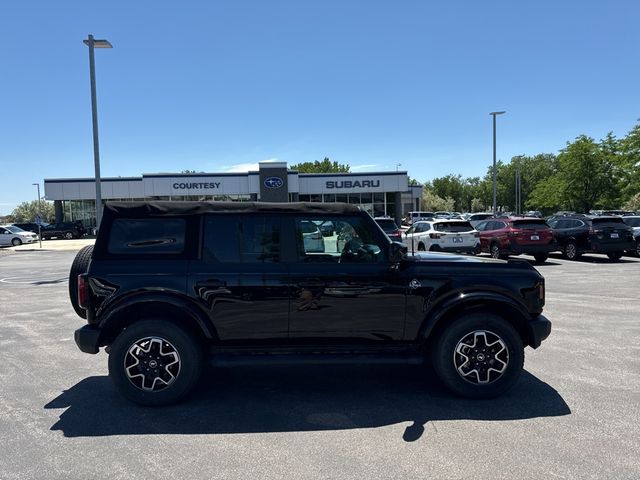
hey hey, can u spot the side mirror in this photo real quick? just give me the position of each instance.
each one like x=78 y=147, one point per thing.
x=397 y=252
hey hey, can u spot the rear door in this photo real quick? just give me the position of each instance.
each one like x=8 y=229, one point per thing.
x=240 y=279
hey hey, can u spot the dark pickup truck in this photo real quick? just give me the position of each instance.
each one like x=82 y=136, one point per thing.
x=170 y=286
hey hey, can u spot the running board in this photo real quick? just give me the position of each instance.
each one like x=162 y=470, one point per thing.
x=244 y=359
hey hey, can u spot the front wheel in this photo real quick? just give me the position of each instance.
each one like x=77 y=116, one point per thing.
x=155 y=362
x=478 y=355
x=614 y=255
x=570 y=251
x=16 y=241
x=541 y=257
x=68 y=235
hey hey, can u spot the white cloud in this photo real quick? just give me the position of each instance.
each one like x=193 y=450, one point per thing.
x=240 y=168
x=359 y=168
x=246 y=167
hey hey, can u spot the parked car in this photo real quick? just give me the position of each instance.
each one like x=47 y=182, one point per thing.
x=312 y=237
x=578 y=234
x=30 y=227
x=66 y=230
x=634 y=222
x=167 y=292
x=502 y=237
x=12 y=235
x=443 y=236
x=476 y=218
x=413 y=217
x=389 y=227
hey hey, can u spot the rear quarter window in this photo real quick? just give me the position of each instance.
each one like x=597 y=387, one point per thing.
x=147 y=236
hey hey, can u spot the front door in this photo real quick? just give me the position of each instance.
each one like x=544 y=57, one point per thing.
x=342 y=285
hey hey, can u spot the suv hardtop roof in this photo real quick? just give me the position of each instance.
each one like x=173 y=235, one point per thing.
x=160 y=208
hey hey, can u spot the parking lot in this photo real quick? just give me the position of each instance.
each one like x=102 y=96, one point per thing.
x=573 y=414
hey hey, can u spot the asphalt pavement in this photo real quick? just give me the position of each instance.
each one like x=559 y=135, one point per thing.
x=573 y=414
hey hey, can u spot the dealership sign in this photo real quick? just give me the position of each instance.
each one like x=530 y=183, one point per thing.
x=273 y=182
x=352 y=184
x=195 y=185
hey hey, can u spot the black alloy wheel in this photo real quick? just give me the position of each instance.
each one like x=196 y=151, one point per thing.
x=155 y=362
x=479 y=355
x=570 y=251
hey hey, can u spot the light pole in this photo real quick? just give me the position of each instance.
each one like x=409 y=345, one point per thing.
x=39 y=214
x=493 y=114
x=92 y=43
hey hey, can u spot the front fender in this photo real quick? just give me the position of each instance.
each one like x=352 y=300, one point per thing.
x=459 y=302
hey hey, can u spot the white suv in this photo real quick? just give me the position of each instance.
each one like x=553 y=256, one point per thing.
x=10 y=235
x=443 y=236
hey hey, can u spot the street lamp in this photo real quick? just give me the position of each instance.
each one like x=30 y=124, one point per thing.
x=92 y=43
x=39 y=214
x=493 y=114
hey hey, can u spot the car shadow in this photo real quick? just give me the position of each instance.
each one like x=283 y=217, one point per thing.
x=298 y=398
x=596 y=258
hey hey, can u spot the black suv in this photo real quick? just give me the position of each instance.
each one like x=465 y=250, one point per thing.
x=577 y=234
x=66 y=230
x=170 y=285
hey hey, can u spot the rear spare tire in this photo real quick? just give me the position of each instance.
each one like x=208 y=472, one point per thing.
x=79 y=266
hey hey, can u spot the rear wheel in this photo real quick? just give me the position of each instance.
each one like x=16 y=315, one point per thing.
x=478 y=355
x=638 y=248
x=68 y=235
x=494 y=250
x=614 y=255
x=155 y=362
x=79 y=266
x=541 y=257
x=570 y=251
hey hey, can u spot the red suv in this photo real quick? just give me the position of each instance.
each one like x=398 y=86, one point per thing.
x=502 y=237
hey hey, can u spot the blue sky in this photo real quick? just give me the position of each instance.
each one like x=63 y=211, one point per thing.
x=220 y=85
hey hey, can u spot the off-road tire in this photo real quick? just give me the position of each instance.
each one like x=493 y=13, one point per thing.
x=189 y=352
x=446 y=361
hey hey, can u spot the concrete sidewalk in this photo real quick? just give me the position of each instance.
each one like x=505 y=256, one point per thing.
x=52 y=245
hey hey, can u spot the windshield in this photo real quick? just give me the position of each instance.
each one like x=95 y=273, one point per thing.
x=14 y=229
x=453 y=227
x=530 y=224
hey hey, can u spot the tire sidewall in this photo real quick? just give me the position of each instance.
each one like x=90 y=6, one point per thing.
x=443 y=355
x=494 y=250
x=574 y=255
x=188 y=348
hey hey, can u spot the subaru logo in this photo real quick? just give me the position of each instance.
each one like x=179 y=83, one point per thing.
x=273 y=182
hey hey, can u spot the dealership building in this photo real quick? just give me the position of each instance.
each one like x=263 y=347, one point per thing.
x=379 y=193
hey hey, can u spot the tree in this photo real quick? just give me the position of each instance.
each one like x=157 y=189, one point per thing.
x=324 y=166
x=27 y=211
x=431 y=201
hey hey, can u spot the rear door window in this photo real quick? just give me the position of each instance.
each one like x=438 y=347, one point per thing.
x=242 y=239
x=148 y=236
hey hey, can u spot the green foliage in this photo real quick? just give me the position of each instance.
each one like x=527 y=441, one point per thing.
x=477 y=205
x=27 y=211
x=324 y=166
x=633 y=203
x=432 y=202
